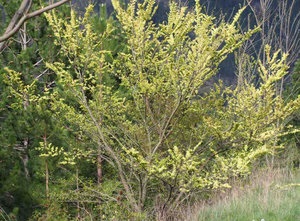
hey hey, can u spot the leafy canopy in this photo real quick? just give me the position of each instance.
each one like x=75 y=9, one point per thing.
x=142 y=108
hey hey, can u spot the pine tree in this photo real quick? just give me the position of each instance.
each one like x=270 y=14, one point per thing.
x=24 y=115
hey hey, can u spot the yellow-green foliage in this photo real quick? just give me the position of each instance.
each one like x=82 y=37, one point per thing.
x=154 y=125
x=23 y=94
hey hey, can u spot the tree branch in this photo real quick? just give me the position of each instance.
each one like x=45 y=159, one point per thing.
x=22 y=15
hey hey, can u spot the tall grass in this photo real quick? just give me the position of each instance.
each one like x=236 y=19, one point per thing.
x=272 y=195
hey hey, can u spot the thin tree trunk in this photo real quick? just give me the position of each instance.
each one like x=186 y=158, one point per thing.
x=77 y=189
x=47 y=178
x=25 y=158
x=99 y=167
x=46 y=169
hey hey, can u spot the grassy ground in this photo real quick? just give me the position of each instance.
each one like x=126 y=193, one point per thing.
x=269 y=196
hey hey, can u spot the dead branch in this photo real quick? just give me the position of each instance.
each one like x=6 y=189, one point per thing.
x=21 y=15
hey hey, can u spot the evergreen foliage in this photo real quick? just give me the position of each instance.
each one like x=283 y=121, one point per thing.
x=24 y=114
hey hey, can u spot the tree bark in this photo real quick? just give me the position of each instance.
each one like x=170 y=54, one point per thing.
x=99 y=167
x=47 y=179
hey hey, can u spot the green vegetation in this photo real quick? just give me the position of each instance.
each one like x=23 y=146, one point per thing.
x=112 y=119
x=270 y=196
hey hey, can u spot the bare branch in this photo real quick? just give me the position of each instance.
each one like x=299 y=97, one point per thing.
x=22 y=15
x=47 y=8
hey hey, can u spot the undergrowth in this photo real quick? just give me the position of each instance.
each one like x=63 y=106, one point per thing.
x=270 y=195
